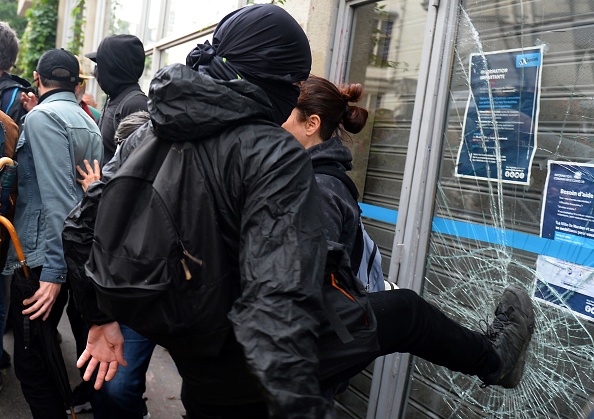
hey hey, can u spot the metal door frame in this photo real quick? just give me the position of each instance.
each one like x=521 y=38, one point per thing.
x=390 y=385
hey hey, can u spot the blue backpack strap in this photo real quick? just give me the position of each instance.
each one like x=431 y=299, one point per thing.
x=14 y=93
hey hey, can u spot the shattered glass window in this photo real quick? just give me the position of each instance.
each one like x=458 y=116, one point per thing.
x=487 y=232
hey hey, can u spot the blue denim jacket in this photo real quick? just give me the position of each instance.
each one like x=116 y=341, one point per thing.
x=57 y=135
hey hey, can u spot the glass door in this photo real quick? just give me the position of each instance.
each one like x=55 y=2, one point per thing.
x=386 y=50
x=514 y=204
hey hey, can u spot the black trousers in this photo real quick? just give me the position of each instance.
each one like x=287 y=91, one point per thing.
x=38 y=386
x=406 y=323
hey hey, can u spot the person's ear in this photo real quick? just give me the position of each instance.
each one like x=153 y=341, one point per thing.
x=313 y=124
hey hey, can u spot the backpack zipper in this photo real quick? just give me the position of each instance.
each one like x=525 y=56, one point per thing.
x=350 y=297
x=194 y=259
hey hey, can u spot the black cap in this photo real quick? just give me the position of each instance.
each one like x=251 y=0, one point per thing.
x=92 y=56
x=60 y=65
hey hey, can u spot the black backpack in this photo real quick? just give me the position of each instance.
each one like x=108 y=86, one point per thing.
x=348 y=331
x=155 y=270
x=151 y=263
x=366 y=259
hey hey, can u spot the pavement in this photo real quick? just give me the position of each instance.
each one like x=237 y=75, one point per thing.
x=163 y=384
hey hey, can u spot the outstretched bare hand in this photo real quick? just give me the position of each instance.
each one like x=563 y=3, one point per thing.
x=91 y=175
x=105 y=348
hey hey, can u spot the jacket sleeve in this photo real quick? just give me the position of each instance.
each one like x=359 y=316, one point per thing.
x=282 y=256
x=77 y=238
x=56 y=182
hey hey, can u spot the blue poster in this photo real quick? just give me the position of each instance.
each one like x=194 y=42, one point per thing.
x=567 y=216
x=501 y=119
x=568 y=204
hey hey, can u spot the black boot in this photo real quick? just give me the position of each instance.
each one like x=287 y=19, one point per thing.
x=510 y=334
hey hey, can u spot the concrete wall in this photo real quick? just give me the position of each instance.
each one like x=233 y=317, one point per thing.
x=317 y=18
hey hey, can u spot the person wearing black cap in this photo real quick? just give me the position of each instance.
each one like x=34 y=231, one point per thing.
x=57 y=135
x=120 y=63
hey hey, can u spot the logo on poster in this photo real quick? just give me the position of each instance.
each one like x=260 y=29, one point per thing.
x=528 y=60
x=514 y=174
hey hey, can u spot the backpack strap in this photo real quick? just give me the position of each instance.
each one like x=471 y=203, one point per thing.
x=326 y=167
x=370 y=266
x=16 y=84
x=117 y=116
x=14 y=93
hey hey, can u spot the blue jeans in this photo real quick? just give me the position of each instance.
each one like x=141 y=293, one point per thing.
x=122 y=396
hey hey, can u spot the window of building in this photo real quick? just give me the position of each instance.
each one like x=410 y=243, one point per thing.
x=184 y=16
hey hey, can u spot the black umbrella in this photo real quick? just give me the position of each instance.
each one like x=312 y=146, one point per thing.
x=25 y=283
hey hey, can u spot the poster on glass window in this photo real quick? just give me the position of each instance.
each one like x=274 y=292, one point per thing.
x=568 y=203
x=501 y=118
x=567 y=216
x=565 y=285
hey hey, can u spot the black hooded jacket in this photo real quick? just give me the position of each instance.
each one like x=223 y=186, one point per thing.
x=11 y=87
x=120 y=63
x=267 y=207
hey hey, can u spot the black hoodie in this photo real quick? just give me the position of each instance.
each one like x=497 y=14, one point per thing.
x=120 y=63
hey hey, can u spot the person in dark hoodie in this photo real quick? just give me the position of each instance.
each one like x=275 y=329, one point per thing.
x=266 y=249
x=120 y=63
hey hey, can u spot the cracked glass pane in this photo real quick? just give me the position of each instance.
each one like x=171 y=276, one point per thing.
x=487 y=233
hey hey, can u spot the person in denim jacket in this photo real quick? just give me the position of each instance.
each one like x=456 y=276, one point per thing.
x=57 y=135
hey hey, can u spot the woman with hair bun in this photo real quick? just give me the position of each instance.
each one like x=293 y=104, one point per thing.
x=406 y=322
x=323 y=114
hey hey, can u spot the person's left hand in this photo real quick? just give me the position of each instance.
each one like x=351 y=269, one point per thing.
x=105 y=349
x=91 y=175
x=29 y=100
x=43 y=300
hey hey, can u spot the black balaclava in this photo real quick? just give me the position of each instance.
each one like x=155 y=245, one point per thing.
x=120 y=63
x=262 y=44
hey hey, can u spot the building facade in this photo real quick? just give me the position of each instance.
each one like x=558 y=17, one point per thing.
x=444 y=229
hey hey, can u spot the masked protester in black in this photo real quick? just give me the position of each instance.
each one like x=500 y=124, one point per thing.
x=120 y=63
x=266 y=205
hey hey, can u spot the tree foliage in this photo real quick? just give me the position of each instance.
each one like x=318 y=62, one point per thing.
x=8 y=13
x=39 y=36
x=78 y=24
